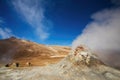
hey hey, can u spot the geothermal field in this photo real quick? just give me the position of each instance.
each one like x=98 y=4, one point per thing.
x=77 y=64
x=59 y=39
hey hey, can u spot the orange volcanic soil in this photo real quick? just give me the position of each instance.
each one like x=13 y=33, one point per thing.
x=23 y=51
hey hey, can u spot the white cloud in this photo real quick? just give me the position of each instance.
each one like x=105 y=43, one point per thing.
x=5 y=32
x=32 y=12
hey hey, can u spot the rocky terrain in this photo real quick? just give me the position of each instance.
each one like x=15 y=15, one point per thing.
x=80 y=64
x=14 y=50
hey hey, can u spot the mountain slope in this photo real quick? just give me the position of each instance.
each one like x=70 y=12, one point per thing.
x=22 y=51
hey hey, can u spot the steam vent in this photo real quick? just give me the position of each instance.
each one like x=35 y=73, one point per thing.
x=81 y=64
x=81 y=55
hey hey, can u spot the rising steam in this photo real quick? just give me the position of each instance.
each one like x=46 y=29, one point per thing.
x=102 y=35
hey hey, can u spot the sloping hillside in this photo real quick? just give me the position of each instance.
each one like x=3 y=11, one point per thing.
x=23 y=51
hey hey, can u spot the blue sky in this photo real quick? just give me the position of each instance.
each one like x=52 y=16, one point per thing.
x=52 y=22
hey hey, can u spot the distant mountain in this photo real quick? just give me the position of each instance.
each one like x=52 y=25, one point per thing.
x=23 y=51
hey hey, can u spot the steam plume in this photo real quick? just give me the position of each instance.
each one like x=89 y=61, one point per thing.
x=102 y=36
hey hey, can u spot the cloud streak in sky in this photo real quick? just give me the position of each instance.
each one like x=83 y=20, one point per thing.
x=102 y=36
x=4 y=32
x=32 y=11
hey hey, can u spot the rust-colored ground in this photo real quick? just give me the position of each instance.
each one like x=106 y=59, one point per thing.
x=23 y=51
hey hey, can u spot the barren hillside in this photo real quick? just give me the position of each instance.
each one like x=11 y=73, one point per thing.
x=23 y=51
